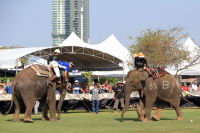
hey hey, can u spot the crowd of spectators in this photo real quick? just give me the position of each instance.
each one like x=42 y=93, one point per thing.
x=190 y=88
x=6 y=89
x=103 y=88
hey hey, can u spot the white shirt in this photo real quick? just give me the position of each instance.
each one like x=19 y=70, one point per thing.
x=1 y=91
x=194 y=87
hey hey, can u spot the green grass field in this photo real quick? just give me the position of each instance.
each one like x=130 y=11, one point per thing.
x=105 y=122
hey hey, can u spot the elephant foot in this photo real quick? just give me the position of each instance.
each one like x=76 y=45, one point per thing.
x=53 y=120
x=45 y=118
x=146 y=120
x=156 y=118
x=16 y=120
x=180 y=118
x=141 y=118
x=28 y=120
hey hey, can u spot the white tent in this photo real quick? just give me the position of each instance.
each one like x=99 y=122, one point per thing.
x=190 y=45
x=8 y=56
x=100 y=57
x=110 y=46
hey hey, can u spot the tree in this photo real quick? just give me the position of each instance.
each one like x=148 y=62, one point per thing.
x=88 y=75
x=163 y=47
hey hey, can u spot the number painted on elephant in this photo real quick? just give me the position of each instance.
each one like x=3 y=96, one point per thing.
x=165 y=85
x=152 y=86
x=172 y=88
x=23 y=81
x=39 y=84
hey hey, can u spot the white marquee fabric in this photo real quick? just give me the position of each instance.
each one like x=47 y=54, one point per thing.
x=192 y=70
x=112 y=48
x=8 y=56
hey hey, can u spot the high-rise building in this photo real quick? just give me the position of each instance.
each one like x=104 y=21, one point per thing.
x=70 y=16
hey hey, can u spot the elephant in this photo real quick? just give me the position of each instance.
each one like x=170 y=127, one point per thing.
x=27 y=87
x=162 y=90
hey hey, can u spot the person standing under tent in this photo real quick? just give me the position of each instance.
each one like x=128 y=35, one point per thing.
x=95 y=97
x=119 y=96
x=77 y=88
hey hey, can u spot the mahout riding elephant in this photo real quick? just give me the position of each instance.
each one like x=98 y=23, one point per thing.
x=162 y=90
x=27 y=87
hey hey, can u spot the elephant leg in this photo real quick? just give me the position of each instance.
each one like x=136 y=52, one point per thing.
x=52 y=102
x=28 y=113
x=178 y=110
x=43 y=103
x=148 y=108
x=29 y=101
x=139 y=109
x=160 y=107
x=17 y=109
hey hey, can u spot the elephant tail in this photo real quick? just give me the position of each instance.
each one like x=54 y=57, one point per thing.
x=185 y=99
x=13 y=88
x=9 y=108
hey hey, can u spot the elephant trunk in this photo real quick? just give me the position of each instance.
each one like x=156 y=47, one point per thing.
x=127 y=100
x=62 y=97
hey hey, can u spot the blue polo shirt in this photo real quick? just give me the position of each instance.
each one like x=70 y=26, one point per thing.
x=76 y=88
x=9 y=89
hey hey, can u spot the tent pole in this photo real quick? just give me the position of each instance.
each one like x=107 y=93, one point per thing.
x=123 y=70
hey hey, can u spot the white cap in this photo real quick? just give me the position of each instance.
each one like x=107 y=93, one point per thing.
x=124 y=81
x=76 y=81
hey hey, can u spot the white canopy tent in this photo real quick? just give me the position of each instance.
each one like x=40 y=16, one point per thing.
x=190 y=45
x=8 y=56
x=105 y=56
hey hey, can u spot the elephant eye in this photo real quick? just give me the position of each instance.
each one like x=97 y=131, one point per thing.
x=131 y=82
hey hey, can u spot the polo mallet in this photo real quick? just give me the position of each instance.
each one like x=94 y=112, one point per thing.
x=114 y=99
x=84 y=103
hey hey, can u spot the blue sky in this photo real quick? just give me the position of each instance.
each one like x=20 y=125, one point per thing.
x=27 y=23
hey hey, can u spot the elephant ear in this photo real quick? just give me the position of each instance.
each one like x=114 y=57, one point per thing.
x=141 y=70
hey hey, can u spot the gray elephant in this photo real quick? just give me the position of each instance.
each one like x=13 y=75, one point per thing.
x=27 y=87
x=162 y=90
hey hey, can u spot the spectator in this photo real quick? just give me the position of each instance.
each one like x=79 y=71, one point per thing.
x=185 y=87
x=4 y=85
x=107 y=86
x=8 y=89
x=36 y=107
x=92 y=86
x=69 y=88
x=110 y=84
x=2 y=89
x=114 y=87
x=86 y=90
x=124 y=83
x=77 y=88
x=194 y=86
x=103 y=89
x=57 y=92
x=198 y=86
x=119 y=97
x=95 y=96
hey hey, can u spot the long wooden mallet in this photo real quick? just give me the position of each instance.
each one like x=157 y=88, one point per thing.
x=84 y=103
x=114 y=99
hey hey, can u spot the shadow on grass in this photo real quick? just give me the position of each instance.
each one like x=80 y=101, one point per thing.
x=126 y=119
x=22 y=120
